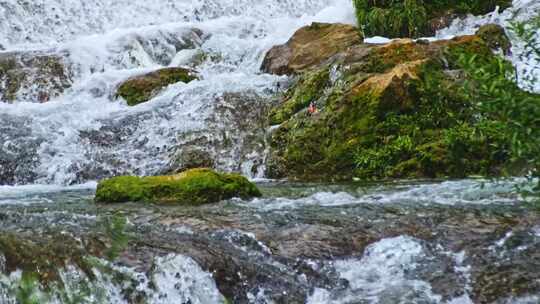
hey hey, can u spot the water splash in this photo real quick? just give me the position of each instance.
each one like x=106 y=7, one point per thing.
x=381 y=274
x=173 y=279
x=459 y=192
x=86 y=133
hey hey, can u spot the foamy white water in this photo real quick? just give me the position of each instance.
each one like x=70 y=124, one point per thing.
x=86 y=134
x=383 y=275
x=459 y=192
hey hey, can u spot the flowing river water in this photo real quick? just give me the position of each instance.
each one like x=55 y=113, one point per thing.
x=468 y=241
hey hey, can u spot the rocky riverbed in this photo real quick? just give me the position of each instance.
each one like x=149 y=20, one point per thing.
x=465 y=241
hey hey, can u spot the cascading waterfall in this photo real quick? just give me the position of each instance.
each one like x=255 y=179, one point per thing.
x=85 y=133
x=52 y=153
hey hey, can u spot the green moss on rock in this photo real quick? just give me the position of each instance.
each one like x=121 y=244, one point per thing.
x=43 y=257
x=495 y=36
x=142 y=88
x=192 y=187
x=396 y=111
x=310 y=87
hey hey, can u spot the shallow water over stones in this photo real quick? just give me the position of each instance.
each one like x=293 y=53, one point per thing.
x=413 y=242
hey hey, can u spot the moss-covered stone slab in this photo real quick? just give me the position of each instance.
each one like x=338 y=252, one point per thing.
x=142 y=88
x=192 y=187
x=310 y=45
x=396 y=110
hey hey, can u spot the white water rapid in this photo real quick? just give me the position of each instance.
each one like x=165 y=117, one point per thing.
x=85 y=133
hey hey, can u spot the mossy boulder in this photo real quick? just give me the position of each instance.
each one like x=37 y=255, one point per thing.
x=387 y=111
x=32 y=77
x=417 y=18
x=310 y=45
x=142 y=88
x=495 y=36
x=192 y=187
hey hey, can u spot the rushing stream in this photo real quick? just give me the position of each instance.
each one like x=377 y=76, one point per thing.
x=458 y=242
x=465 y=241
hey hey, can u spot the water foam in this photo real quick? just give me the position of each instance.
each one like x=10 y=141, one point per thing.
x=173 y=279
x=86 y=134
x=459 y=192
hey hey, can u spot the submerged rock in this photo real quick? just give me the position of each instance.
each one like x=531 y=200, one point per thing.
x=142 y=88
x=192 y=187
x=32 y=77
x=309 y=46
x=285 y=247
x=191 y=158
x=387 y=111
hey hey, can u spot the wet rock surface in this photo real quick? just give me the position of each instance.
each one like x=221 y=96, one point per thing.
x=233 y=139
x=142 y=88
x=32 y=76
x=361 y=112
x=311 y=45
x=287 y=251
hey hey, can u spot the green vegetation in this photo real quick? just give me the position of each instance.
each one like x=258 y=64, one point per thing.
x=411 y=110
x=437 y=135
x=309 y=89
x=116 y=230
x=27 y=291
x=415 y=18
x=142 y=88
x=493 y=84
x=192 y=187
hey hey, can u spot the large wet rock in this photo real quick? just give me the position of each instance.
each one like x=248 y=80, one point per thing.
x=142 y=88
x=32 y=77
x=230 y=136
x=237 y=137
x=309 y=46
x=396 y=110
x=417 y=18
x=192 y=187
x=495 y=36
